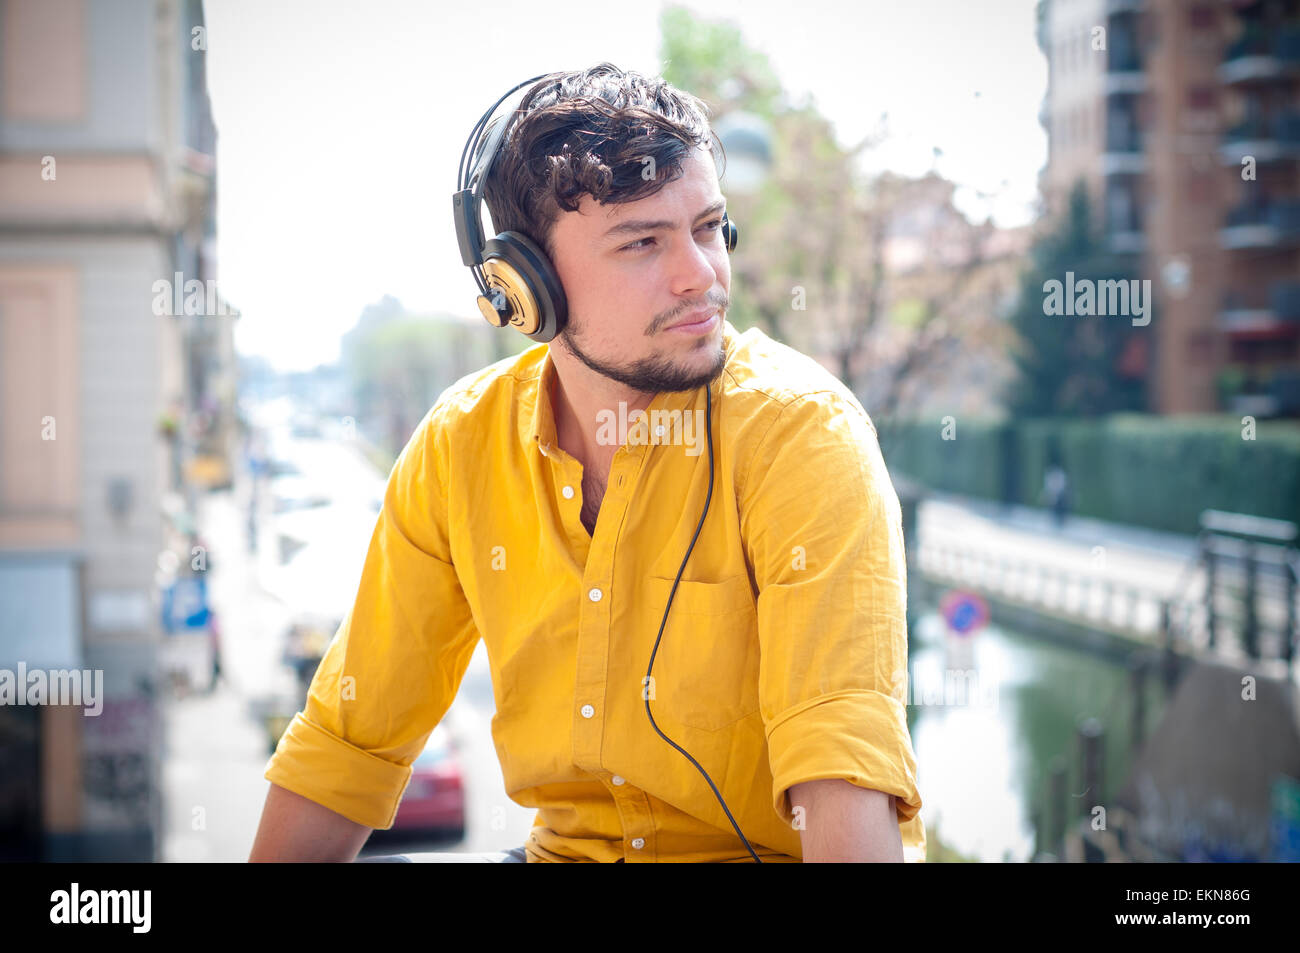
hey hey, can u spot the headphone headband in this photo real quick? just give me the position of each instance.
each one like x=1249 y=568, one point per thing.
x=471 y=237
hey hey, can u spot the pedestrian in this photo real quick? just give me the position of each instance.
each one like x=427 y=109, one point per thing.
x=1056 y=490
x=214 y=643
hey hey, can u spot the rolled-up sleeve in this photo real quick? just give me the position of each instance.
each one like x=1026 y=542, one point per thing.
x=823 y=532
x=396 y=662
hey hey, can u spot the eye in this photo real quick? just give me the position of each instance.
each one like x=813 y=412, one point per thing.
x=712 y=226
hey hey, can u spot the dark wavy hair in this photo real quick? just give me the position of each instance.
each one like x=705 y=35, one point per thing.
x=587 y=132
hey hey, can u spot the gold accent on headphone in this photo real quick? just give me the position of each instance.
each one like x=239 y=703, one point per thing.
x=524 y=312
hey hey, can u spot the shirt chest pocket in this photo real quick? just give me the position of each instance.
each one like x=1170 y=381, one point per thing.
x=706 y=669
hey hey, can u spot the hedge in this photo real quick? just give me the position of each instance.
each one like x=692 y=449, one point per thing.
x=1139 y=469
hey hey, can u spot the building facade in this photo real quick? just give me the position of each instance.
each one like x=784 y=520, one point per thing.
x=1183 y=121
x=107 y=187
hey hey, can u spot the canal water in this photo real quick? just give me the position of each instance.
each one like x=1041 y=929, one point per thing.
x=988 y=714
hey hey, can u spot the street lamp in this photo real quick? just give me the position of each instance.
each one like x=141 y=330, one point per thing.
x=747 y=140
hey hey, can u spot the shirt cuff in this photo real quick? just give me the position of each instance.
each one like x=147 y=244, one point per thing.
x=321 y=767
x=858 y=735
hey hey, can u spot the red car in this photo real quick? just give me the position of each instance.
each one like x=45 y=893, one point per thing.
x=434 y=802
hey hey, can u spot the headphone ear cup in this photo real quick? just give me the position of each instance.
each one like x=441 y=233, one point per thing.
x=730 y=233
x=540 y=306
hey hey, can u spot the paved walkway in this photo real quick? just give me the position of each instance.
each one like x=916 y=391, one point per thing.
x=1082 y=531
x=1021 y=548
x=216 y=745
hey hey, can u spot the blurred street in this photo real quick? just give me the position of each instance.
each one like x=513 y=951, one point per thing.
x=308 y=561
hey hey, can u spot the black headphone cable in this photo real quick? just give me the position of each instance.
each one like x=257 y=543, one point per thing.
x=708 y=396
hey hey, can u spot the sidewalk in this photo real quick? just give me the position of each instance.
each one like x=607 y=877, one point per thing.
x=1083 y=530
x=1125 y=555
x=1089 y=570
x=213 y=758
x=215 y=748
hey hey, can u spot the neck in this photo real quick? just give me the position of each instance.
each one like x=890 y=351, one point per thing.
x=578 y=396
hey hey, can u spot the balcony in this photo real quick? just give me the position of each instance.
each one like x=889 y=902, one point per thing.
x=1125 y=82
x=1261 y=391
x=1125 y=73
x=1270 y=139
x=1125 y=150
x=1267 y=224
x=1262 y=54
x=1126 y=243
x=1124 y=233
x=1277 y=316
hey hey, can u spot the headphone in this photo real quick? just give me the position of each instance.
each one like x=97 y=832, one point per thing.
x=519 y=287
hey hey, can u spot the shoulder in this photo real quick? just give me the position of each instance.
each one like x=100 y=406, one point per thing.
x=799 y=432
x=769 y=386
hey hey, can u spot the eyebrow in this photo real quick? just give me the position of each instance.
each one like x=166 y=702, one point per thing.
x=647 y=225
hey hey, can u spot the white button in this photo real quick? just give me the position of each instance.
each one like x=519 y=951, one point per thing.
x=588 y=711
x=594 y=595
x=617 y=779
x=638 y=843
x=568 y=492
x=660 y=430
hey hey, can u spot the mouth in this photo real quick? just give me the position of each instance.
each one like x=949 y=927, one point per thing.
x=698 y=323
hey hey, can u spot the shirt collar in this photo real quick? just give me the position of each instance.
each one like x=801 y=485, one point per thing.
x=543 y=420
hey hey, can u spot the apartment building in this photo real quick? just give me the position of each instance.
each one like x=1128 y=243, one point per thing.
x=1183 y=120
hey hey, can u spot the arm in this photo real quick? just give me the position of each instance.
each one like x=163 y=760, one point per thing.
x=825 y=542
x=385 y=681
x=844 y=823
x=294 y=828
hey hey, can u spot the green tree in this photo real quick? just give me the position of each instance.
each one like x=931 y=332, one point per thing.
x=398 y=363
x=712 y=61
x=812 y=267
x=1076 y=365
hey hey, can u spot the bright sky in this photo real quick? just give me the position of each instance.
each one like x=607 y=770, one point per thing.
x=340 y=126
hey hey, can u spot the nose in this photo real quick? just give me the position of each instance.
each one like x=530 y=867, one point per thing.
x=694 y=271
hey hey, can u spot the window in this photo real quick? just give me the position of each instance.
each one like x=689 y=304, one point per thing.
x=39 y=392
x=44 y=58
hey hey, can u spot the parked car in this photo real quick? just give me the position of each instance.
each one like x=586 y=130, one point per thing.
x=434 y=802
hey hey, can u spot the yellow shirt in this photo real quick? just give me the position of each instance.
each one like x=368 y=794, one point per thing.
x=784 y=658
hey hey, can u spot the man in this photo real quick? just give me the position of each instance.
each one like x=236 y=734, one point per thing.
x=545 y=505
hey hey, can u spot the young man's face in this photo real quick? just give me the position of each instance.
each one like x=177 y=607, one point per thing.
x=625 y=287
